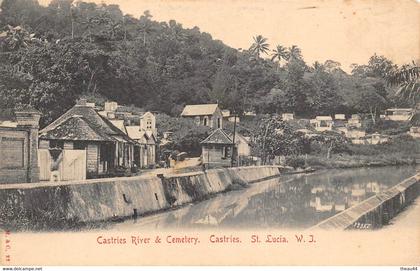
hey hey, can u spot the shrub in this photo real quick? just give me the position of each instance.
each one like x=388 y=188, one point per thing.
x=295 y=162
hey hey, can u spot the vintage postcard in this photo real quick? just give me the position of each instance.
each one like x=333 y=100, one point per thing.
x=210 y=132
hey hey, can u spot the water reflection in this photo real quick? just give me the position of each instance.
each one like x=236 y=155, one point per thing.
x=286 y=202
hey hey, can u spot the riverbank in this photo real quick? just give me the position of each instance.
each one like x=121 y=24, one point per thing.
x=63 y=205
x=402 y=150
x=356 y=161
x=376 y=211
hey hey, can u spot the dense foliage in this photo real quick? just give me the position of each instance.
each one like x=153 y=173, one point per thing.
x=52 y=55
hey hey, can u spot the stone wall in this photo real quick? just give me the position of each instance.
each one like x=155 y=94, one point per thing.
x=61 y=205
x=19 y=149
x=377 y=210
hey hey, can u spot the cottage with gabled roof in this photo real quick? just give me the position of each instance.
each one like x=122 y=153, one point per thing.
x=82 y=128
x=147 y=142
x=204 y=114
x=217 y=149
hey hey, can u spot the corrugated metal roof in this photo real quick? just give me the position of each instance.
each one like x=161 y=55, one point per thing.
x=199 y=110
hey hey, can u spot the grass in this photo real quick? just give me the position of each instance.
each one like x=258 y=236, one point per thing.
x=402 y=150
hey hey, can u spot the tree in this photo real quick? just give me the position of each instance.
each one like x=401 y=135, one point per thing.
x=276 y=137
x=145 y=25
x=295 y=53
x=260 y=46
x=186 y=136
x=407 y=78
x=279 y=54
x=334 y=142
x=322 y=97
x=368 y=100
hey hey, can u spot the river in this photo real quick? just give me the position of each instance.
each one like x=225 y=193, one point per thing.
x=290 y=201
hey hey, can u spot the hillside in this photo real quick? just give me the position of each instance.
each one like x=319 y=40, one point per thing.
x=50 y=56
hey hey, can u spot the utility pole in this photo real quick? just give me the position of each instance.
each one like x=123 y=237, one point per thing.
x=233 y=147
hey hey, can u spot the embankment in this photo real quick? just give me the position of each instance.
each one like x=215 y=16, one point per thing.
x=67 y=204
x=377 y=210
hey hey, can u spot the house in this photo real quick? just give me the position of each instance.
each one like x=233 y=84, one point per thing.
x=217 y=149
x=287 y=116
x=226 y=114
x=355 y=133
x=399 y=114
x=204 y=114
x=355 y=121
x=148 y=123
x=414 y=132
x=250 y=113
x=139 y=126
x=377 y=138
x=146 y=154
x=340 y=117
x=228 y=117
x=243 y=144
x=243 y=147
x=323 y=123
x=372 y=139
x=357 y=136
x=106 y=147
x=340 y=126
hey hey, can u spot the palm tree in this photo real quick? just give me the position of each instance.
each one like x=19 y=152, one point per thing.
x=259 y=46
x=408 y=80
x=280 y=53
x=318 y=67
x=295 y=52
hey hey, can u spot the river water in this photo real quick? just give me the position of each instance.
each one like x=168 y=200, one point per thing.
x=290 y=201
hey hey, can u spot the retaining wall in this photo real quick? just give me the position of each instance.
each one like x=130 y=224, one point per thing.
x=65 y=204
x=377 y=210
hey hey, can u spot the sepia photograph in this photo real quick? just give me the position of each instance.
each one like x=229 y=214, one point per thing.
x=210 y=133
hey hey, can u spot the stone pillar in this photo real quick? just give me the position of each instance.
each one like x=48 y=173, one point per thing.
x=29 y=119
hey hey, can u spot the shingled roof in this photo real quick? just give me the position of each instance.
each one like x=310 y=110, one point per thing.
x=218 y=137
x=83 y=123
x=199 y=110
x=75 y=128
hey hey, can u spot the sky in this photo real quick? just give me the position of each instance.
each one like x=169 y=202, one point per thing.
x=347 y=31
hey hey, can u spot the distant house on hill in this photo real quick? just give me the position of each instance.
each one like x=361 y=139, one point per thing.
x=228 y=117
x=217 y=149
x=208 y=115
x=355 y=121
x=323 y=123
x=287 y=116
x=399 y=114
x=82 y=128
x=415 y=125
x=340 y=117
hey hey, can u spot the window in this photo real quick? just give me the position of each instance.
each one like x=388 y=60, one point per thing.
x=205 y=121
x=149 y=123
x=218 y=123
x=54 y=144
x=79 y=145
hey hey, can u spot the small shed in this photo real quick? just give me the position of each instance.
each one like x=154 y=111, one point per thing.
x=217 y=149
